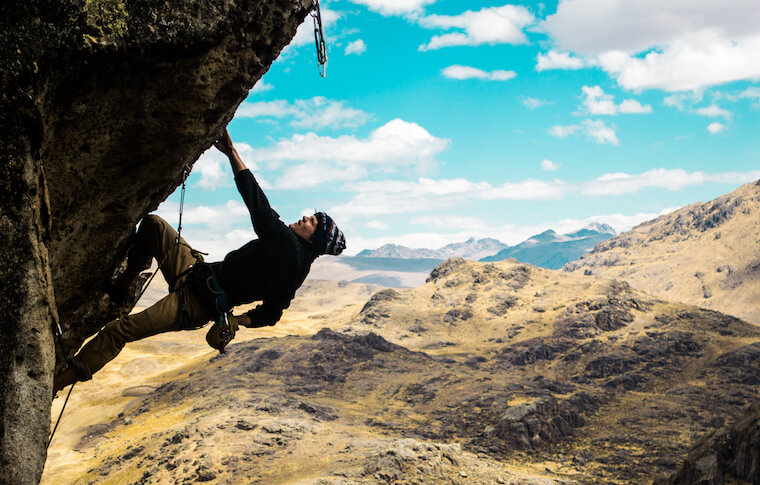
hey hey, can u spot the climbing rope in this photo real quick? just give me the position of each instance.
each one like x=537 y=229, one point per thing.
x=59 y=331
x=319 y=39
x=59 y=334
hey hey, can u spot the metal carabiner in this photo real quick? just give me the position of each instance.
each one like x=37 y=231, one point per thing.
x=319 y=39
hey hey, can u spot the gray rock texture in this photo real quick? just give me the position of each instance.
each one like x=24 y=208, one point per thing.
x=103 y=103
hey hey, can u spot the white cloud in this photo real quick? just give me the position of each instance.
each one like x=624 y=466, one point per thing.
x=594 y=129
x=681 y=101
x=662 y=178
x=591 y=27
x=395 y=7
x=356 y=47
x=396 y=145
x=563 y=131
x=597 y=102
x=600 y=132
x=466 y=72
x=315 y=113
x=752 y=93
x=715 y=128
x=213 y=167
x=533 y=103
x=377 y=224
x=261 y=87
x=549 y=166
x=217 y=218
x=714 y=110
x=686 y=45
x=494 y=25
x=558 y=60
x=305 y=32
x=631 y=106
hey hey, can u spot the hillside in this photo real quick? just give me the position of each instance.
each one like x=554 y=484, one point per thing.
x=703 y=254
x=551 y=250
x=498 y=372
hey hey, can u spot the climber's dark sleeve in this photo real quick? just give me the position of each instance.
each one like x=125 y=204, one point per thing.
x=265 y=315
x=264 y=218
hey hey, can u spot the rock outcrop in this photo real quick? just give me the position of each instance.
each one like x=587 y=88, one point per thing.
x=104 y=102
x=731 y=455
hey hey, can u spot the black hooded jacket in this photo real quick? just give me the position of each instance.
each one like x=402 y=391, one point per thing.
x=268 y=269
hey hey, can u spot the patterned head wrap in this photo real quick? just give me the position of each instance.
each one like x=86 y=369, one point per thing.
x=328 y=239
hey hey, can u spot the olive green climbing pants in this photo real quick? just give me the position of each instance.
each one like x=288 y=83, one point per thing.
x=155 y=239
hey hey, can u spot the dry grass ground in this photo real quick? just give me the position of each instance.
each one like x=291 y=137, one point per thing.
x=489 y=373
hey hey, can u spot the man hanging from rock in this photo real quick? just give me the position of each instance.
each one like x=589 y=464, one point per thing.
x=269 y=269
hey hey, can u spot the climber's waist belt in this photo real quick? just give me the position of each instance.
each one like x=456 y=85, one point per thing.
x=202 y=283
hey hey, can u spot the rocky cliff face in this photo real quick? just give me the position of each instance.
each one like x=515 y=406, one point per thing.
x=103 y=104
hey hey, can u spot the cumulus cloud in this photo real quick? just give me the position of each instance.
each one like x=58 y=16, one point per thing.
x=559 y=60
x=713 y=111
x=650 y=44
x=377 y=224
x=213 y=167
x=315 y=113
x=395 y=7
x=668 y=179
x=396 y=145
x=533 y=103
x=752 y=93
x=356 y=47
x=305 y=32
x=682 y=101
x=376 y=198
x=466 y=72
x=493 y=25
x=597 y=102
x=597 y=130
x=715 y=128
x=261 y=87
x=549 y=166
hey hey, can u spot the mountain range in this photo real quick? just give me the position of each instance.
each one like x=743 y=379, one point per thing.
x=471 y=249
x=551 y=250
x=398 y=266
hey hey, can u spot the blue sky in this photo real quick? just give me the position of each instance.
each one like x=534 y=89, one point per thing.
x=442 y=120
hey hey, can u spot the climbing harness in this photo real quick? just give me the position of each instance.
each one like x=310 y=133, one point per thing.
x=319 y=39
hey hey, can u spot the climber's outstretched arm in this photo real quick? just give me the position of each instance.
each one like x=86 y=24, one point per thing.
x=224 y=145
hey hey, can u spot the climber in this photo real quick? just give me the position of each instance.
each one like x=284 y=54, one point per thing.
x=269 y=269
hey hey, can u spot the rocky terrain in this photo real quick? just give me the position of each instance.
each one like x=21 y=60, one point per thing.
x=703 y=254
x=488 y=373
x=104 y=103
